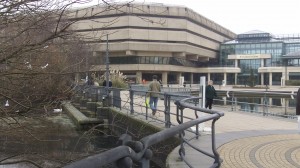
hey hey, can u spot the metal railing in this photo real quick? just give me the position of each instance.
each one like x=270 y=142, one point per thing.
x=133 y=101
x=138 y=151
x=272 y=103
x=267 y=103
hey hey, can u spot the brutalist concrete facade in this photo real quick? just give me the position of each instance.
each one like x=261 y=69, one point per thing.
x=147 y=39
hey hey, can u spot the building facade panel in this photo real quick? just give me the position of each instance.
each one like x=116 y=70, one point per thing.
x=260 y=57
x=151 y=38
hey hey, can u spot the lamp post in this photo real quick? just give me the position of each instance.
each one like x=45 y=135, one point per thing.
x=107 y=68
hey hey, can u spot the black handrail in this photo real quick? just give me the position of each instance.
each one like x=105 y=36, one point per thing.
x=138 y=150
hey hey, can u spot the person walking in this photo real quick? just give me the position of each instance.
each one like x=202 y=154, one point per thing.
x=210 y=94
x=154 y=89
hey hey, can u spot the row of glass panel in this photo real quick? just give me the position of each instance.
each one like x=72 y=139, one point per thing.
x=96 y=60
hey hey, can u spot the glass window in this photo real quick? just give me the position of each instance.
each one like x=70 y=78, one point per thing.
x=147 y=60
x=142 y=60
x=155 y=61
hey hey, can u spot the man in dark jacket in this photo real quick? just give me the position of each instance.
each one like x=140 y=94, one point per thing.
x=210 y=93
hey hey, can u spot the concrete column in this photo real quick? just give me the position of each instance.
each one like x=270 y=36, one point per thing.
x=178 y=77
x=139 y=77
x=235 y=78
x=192 y=78
x=262 y=79
x=164 y=78
x=270 y=78
x=262 y=63
x=225 y=77
x=236 y=63
x=208 y=76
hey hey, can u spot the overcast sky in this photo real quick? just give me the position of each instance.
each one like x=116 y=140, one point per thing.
x=239 y=16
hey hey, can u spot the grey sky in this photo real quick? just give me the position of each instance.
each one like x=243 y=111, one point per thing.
x=239 y=16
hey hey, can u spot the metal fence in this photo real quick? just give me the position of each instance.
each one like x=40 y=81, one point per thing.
x=138 y=151
x=267 y=103
x=173 y=104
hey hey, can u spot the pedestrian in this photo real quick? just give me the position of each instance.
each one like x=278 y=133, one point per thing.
x=154 y=89
x=210 y=93
x=90 y=81
x=109 y=83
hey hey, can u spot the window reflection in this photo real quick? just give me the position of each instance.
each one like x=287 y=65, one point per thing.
x=163 y=61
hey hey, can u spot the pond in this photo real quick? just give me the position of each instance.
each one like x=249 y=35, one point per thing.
x=48 y=141
x=283 y=106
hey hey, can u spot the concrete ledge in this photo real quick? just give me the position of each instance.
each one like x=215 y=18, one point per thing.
x=79 y=118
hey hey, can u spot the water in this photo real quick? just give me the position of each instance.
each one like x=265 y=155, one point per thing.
x=50 y=141
x=283 y=107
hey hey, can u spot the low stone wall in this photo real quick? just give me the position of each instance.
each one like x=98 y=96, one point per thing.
x=78 y=118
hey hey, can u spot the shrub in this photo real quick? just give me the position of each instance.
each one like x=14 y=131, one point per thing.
x=117 y=78
x=292 y=82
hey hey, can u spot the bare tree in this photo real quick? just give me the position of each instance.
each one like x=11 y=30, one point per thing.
x=37 y=51
x=39 y=56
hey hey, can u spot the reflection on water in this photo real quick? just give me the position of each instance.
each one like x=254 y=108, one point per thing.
x=284 y=107
x=50 y=141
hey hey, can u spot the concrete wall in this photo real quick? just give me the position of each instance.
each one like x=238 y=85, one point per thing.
x=122 y=123
x=151 y=30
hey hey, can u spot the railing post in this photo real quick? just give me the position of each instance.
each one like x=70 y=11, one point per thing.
x=146 y=104
x=167 y=102
x=145 y=163
x=131 y=101
x=197 y=126
x=265 y=110
x=232 y=101
x=181 y=136
x=213 y=141
x=235 y=103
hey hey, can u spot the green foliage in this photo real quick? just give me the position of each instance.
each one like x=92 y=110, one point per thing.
x=292 y=82
x=117 y=78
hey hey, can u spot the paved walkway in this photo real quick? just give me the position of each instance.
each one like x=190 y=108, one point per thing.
x=247 y=140
x=244 y=140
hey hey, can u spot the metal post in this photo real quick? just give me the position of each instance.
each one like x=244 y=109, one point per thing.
x=167 y=101
x=131 y=100
x=202 y=102
x=107 y=69
x=232 y=101
x=197 y=126
x=146 y=103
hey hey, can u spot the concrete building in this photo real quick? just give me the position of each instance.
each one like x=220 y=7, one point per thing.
x=147 y=39
x=269 y=59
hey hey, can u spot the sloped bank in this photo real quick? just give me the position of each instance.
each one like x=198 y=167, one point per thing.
x=120 y=123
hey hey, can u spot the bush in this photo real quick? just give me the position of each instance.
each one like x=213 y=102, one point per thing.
x=117 y=78
x=292 y=82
